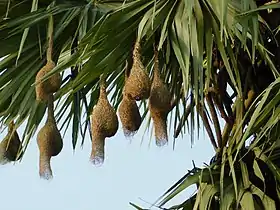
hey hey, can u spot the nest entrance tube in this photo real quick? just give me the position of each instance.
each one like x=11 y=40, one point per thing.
x=45 y=170
x=160 y=127
x=97 y=152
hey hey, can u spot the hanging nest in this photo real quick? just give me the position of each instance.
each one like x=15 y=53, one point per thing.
x=138 y=84
x=104 y=123
x=129 y=114
x=11 y=146
x=53 y=83
x=49 y=142
x=49 y=86
x=159 y=104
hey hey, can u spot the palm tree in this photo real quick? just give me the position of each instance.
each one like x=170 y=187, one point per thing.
x=220 y=59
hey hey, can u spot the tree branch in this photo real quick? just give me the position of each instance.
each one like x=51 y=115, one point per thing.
x=207 y=126
x=215 y=119
x=183 y=120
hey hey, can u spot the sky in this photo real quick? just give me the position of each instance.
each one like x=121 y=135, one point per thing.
x=132 y=172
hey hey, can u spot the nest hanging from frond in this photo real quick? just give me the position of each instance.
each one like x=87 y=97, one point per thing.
x=104 y=123
x=159 y=104
x=53 y=83
x=49 y=142
x=129 y=113
x=50 y=86
x=130 y=116
x=138 y=84
x=10 y=146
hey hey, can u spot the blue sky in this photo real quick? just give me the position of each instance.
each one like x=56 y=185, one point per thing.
x=132 y=172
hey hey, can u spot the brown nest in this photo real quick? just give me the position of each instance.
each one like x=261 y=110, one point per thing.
x=129 y=114
x=49 y=86
x=52 y=84
x=138 y=84
x=49 y=142
x=104 y=123
x=159 y=104
x=10 y=146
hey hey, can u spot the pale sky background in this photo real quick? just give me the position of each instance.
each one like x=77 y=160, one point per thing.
x=131 y=173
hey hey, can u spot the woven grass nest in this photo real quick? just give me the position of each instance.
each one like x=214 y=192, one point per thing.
x=138 y=84
x=49 y=142
x=159 y=104
x=129 y=114
x=104 y=123
x=52 y=84
x=10 y=146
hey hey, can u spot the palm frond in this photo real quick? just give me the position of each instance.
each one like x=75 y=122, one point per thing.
x=217 y=59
